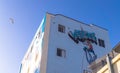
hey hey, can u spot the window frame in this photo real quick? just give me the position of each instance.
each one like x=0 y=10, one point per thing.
x=61 y=52
x=101 y=42
x=61 y=28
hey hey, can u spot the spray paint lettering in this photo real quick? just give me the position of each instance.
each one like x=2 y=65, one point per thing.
x=87 y=39
x=82 y=36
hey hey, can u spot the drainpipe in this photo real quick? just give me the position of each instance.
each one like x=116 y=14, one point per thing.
x=110 y=68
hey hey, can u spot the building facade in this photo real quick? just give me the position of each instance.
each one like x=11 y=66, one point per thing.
x=113 y=64
x=64 y=45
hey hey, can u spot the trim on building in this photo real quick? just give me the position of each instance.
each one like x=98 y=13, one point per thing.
x=77 y=21
x=44 y=57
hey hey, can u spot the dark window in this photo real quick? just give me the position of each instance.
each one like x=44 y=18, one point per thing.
x=39 y=34
x=61 y=52
x=61 y=28
x=101 y=42
x=31 y=49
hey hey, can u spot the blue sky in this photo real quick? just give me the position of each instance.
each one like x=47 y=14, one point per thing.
x=27 y=14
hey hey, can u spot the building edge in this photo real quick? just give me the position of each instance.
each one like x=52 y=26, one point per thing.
x=77 y=21
x=44 y=57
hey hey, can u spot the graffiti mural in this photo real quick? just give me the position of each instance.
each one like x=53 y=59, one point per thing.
x=82 y=36
x=87 y=39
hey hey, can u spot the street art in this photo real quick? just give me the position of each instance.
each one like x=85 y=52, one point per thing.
x=87 y=39
x=90 y=54
x=82 y=36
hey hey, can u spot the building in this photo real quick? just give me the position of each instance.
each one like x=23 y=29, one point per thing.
x=64 y=45
x=111 y=62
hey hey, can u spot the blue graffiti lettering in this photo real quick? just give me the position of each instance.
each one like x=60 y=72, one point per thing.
x=82 y=36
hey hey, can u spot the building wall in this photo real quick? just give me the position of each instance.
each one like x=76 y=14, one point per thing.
x=45 y=49
x=115 y=64
x=32 y=60
x=41 y=56
x=75 y=59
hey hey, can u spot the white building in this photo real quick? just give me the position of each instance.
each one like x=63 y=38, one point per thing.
x=64 y=45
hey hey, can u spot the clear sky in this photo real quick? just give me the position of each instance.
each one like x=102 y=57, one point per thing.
x=27 y=15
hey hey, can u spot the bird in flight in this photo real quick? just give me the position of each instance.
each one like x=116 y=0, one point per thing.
x=11 y=20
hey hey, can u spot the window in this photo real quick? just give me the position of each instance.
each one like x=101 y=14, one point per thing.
x=101 y=43
x=36 y=57
x=61 y=52
x=61 y=28
x=39 y=34
x=31 y=49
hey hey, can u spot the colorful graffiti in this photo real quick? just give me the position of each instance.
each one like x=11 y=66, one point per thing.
x=90 y=54
x=87 y=39
x=82 y=36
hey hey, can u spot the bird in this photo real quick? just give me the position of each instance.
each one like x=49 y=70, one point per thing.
x=11 y=20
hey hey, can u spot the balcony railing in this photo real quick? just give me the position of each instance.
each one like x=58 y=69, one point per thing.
x=99 y=63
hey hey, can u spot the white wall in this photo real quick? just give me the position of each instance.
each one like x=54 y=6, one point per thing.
x=75 y=60
x=32 y=60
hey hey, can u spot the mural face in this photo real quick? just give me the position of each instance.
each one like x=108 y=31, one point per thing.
x=87 y=39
